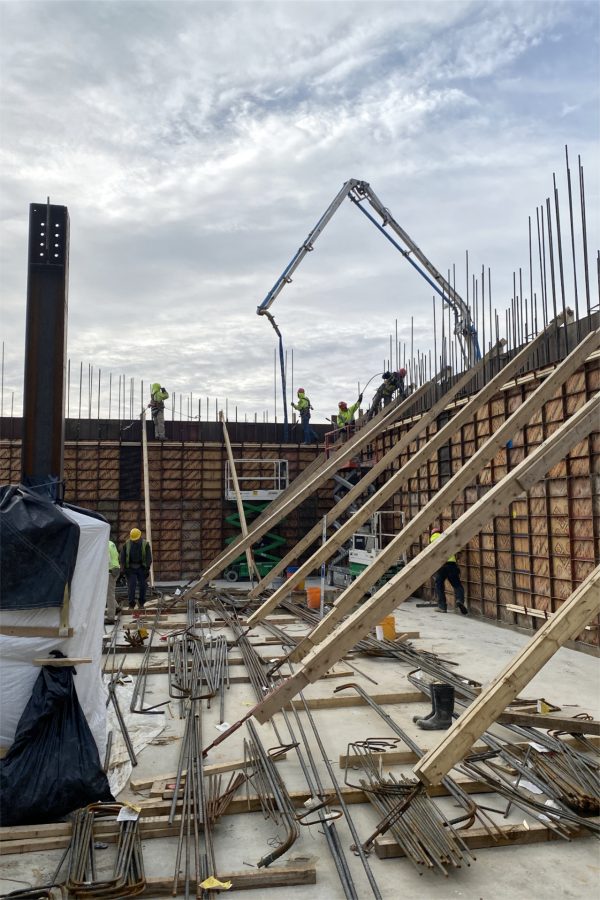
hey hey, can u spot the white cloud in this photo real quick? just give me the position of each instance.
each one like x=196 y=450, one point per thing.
x=196 y=144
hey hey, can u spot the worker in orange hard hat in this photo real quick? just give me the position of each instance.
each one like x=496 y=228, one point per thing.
x=304 y=407
x=392 y=382
x=136 y=559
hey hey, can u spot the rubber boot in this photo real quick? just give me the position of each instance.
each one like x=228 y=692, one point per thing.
x=444 y=707
x=429 y=715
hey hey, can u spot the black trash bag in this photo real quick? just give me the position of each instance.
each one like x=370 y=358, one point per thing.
x=53 y=767
x=38 y=549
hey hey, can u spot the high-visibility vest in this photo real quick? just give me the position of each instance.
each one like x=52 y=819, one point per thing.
x=435 y=535
x=113 y=556
x=128 y=548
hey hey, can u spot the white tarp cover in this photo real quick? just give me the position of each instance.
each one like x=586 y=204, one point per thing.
x=86 y=617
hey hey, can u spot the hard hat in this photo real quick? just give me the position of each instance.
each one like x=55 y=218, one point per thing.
x=402 y=372
x=300 y=391
x=135 y=534
x=342 y=404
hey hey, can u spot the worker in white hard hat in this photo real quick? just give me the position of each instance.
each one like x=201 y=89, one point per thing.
x=136 y=559
x=304 y=407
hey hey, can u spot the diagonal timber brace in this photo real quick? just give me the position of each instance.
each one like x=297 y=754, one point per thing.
x=348 y=528
x=403 y=585
x=444 y=497
x=395 y=483
x=308 y=486
x=567 y=623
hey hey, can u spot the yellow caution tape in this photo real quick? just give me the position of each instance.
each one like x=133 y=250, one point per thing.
x=213 y=883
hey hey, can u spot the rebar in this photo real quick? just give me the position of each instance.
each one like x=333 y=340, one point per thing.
x=424 y=833
x=127 y=878
x=274 y=798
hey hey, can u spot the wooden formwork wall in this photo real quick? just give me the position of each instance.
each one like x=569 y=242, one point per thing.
x=187 y=494
x=524 y=563
x=520 y=567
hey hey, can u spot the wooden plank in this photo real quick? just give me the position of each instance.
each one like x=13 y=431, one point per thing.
x=61 y=663
x=35 y=631
x=573 y=615
x=478 y=838
x=296 y=872
x=353 y=496
x=528 y=611
x=336 y=701
x=238 y=499
x=141 y=784
x=550 y=722
x=407 y=757
x=423 y=566
x=445 y=496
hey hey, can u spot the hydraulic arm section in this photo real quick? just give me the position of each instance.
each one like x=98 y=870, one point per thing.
x=359 y=191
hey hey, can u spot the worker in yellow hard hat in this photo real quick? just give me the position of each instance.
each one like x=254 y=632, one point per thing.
x=136 y=559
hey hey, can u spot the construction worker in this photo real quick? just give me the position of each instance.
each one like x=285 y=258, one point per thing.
x=136 y=559
x=451 y=572
x=304 y=407
x=113 y=574
x=345 y=416
x=158 y=395
x=392 y=381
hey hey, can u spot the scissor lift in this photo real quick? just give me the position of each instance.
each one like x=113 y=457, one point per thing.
x=259 y=482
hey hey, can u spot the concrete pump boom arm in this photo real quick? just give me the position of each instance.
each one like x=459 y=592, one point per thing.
x=358 y=191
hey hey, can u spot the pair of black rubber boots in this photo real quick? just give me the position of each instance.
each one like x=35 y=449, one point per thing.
x=440 y=717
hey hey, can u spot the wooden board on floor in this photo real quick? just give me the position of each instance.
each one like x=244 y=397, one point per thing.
x=154 y=820
x=297 y=871
x=478 y=838
x=339 y=702
x=407 y=757
x=550 y=722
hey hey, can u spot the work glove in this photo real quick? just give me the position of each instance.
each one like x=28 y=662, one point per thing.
x=360 y=398
x=163 y=390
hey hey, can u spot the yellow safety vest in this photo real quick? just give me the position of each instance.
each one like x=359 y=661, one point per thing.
x=435 y=535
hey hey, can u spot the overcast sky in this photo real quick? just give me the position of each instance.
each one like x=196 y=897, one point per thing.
x=196 y=145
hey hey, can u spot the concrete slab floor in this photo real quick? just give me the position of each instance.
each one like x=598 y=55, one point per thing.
x=564 y=870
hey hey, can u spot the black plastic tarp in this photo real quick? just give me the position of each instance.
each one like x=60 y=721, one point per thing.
x=53 y=767
x=38 y=549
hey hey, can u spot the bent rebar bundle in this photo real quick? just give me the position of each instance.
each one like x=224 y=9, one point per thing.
x=424 y=833
x=127 y=878
x=271 y=791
